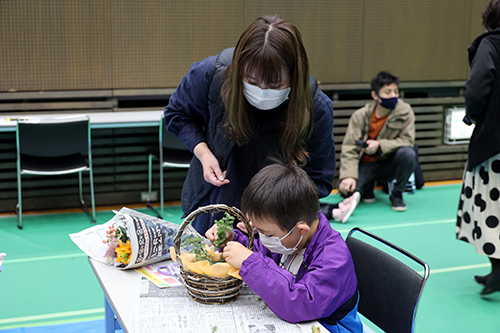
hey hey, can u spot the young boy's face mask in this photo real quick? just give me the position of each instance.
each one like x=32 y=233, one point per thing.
x=264 y=99
x=274 y=244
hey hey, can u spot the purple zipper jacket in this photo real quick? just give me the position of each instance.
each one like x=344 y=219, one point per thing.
x=325 y=281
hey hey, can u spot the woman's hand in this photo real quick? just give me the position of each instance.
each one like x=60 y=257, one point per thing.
x=243 y=227
x=211 y=169
x=235 y=253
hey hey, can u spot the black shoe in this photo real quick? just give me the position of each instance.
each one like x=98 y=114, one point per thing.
x=326 y=209
x=397 y=202
x=492 y=285
x=368 y=196
x=481 y=279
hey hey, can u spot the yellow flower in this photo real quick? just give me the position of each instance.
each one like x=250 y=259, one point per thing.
x=123 y=252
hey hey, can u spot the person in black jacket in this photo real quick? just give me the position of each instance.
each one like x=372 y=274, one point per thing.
x=479 y=206
x=244 y=105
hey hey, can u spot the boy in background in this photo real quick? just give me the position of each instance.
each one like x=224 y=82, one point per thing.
x=300 y=266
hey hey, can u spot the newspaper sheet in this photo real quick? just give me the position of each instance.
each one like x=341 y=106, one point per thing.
x=150 y=238
x=171 y=310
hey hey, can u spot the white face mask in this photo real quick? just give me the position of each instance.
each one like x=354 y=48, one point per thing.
x=264 y=99
x=274 y=244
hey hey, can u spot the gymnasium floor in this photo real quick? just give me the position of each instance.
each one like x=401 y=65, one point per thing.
x=46 y=279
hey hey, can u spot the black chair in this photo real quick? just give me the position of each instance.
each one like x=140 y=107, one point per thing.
x=54 y=146
x=389 y=290
x=172 y=154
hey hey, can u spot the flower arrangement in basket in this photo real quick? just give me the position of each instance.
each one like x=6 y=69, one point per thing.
x=208 y=278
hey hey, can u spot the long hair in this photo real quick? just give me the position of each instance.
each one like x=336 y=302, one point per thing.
x=491 y=15
x=267 y=47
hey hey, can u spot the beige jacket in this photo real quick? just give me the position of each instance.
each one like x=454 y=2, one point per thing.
x=398 y=131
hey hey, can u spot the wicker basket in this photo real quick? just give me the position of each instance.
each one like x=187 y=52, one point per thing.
x=209 y=289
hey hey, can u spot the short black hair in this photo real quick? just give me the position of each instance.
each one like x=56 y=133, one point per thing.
x=381 y=79
x=491 y=15
x=284 y=193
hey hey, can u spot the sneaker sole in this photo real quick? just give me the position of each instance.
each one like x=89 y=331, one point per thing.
x=368 y=200
x=356 y=198
x=399 y=209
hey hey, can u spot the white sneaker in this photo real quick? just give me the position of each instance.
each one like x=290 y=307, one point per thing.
x=346 y=207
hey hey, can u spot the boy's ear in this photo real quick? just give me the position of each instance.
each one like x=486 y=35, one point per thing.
x=374 y=96
x=304 y=228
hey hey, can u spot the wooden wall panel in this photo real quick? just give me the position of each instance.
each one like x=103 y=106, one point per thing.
x=114 y=44
x=54 y=45
x=417 y=40
x=331 y=31
x=476 y=10
x=155 y=42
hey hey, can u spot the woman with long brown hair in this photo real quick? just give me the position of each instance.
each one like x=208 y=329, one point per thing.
x=246 y=104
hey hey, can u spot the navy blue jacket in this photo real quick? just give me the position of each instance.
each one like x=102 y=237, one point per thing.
x=196 y=113
x=482 y=97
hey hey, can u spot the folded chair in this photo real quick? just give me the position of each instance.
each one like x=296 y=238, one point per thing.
x=389 y=290
x=54 y=146
x=172 y=153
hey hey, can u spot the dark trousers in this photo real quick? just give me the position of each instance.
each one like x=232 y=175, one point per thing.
x=399 y=165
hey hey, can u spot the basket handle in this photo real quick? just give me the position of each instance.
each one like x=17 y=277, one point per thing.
x=208 y=209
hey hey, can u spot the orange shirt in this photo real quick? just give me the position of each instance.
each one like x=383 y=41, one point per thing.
x=376 y=125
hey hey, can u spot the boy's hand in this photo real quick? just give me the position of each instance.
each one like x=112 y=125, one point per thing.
x=211 y=234
x=235 y=253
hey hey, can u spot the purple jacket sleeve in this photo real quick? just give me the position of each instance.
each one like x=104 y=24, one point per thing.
x=316 y=294
x=187 y=109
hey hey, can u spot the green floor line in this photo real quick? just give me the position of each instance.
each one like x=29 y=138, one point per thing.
x=62 y=256
x=51 y=315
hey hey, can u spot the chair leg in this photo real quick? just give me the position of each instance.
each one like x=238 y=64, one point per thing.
x=150 y=185
x=161 y=186
x=92 y=196
x=19 y=206
x=85 y=208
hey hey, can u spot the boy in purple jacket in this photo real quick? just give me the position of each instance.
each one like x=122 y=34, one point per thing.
x=300 y=266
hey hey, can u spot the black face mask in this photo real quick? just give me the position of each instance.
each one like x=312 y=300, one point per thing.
x=389 y=103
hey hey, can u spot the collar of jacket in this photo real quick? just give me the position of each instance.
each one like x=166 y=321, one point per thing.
x=399 y=112
x=472 y=49
x=318 y=238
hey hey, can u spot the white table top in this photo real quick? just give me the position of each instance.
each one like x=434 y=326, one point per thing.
x=120 y=288
x=97 y=119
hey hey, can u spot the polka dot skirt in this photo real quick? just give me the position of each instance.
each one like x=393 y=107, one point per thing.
x=479 y=208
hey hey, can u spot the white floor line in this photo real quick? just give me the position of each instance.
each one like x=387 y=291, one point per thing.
x=62 y=256
x=400 y=225
x=52 y=315
x=458 y=268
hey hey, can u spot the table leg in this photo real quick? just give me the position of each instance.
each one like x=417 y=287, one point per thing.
x=111 y=324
